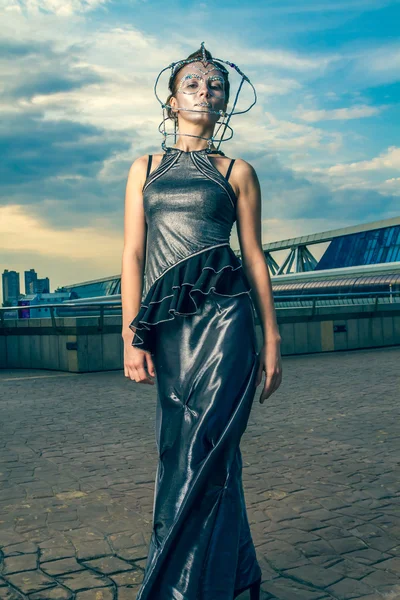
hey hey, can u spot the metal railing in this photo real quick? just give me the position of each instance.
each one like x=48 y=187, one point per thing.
x=86 y=307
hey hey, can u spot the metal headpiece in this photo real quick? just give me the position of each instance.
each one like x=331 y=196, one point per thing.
x=218 y=64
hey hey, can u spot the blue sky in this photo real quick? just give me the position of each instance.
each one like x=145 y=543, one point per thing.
x=78 y=108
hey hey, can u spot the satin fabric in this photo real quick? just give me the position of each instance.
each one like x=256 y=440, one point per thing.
x=206 y=366
x=189 y=206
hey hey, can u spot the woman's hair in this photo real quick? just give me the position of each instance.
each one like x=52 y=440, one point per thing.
x=172 y=84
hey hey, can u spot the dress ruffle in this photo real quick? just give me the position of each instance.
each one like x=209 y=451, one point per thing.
x=181 y=289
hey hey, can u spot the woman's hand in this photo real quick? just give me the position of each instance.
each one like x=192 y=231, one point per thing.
x=269 y=361
x=136 y=362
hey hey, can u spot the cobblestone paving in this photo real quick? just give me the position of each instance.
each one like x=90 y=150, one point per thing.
x=320 y=470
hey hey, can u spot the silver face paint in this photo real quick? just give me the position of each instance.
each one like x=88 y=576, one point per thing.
x=216 y=64
x=188 y=86
x=213 y=68
x=183 y=83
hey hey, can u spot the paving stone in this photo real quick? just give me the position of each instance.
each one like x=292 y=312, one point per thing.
x=128 y=578
x=122 y=541
x=353 y=569
x=7 y=593
x=57 y=593
x=349 y=588
x=136 y=553
x=83 y=580
x=87 y=550
x=23 y=562
x=391 y=564
x=344 y=545
x=108 y=565
x=9 y=536
x=30 y=581
x=382 y=543
x=281 y=555
x=21 y=548
x=315 y=575
x=102 y=594
x=61 y=567
x=332 y=533
x=295 y=536
x=381 y=578
x=367 y=556
x=128 y=593
x=48 y=554
x=315 y=548
x=285 y=589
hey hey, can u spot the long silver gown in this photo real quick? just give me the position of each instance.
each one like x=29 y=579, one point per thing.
x=197 y=320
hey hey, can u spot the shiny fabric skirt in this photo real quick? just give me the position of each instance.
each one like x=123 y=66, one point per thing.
x=206 y=367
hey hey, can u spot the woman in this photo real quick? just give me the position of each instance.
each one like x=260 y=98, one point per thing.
x=193 y=324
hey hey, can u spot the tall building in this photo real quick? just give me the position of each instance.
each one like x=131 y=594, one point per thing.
x=30 y=281
x=11 y=290
x=42 y=286
x=34 y=285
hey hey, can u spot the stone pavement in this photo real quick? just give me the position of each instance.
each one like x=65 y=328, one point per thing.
x=320 y=470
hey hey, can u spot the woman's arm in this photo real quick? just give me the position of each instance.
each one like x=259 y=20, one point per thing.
x=136 y=361
x=257 y=273
x=133 y=256
x=253 y=258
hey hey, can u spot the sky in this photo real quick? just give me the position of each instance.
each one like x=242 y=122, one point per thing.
x=77 y=108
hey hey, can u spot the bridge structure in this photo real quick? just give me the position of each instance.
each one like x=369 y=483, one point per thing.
x=367 y=248
x=349 y=299
x=363 y=244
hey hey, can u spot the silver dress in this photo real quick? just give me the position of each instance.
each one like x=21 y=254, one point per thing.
x=197 y=320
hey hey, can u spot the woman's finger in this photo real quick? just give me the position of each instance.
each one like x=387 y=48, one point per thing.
x=150 y=364
x=269 y=387
x=143 y=377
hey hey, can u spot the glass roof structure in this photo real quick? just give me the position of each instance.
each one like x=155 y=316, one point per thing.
x=363 y=248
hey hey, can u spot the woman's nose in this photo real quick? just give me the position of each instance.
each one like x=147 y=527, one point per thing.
x=204 y=91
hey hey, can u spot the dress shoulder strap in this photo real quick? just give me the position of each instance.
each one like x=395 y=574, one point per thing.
x=229 y=169
x=149 y=165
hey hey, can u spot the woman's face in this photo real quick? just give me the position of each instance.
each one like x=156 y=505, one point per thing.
x=199 y=89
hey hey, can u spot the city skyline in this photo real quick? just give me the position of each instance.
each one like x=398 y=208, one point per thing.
x=78 y=108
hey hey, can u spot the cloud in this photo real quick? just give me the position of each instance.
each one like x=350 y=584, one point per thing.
x=339 y=114
x=289 y=194
x=390 y=159
x=383 y=60
x=34 y=150
x=61 y=8
x=270 y=133
x=277 y=86
x=32 y=234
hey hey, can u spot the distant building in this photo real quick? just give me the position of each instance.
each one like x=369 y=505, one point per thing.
x=11 y=290
x=43 y=286
x=107 y=286
x=43 y=299
x=30 y=281
x=33 y=285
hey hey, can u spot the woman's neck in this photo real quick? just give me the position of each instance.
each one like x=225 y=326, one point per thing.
x=189 y=146
x=188 y=143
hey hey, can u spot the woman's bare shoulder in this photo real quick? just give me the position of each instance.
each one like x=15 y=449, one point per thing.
x=139 y=162
x=243 y=166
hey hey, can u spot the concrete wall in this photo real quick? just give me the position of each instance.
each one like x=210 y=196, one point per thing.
x=79 y=344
